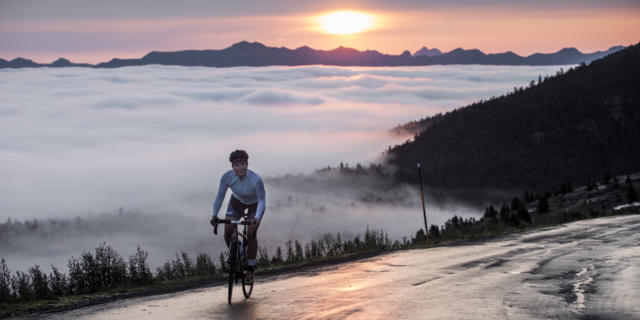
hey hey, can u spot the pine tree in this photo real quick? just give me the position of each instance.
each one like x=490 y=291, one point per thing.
x=543 y=205
x=632 y=194
x=263 y=257
x=607 y=178
x=139 y=272
x=524 y=215
x=39 y=283
x=21 y=283
x=222 y=260
x=204 y=265
x=527 y=197
x=188 y=264
x=277 y=258
x=5 y=282
x=290 y=254
x=420 y=237
x=515 y=204
x=58 y=282
x=490 y=212
x=504 y=212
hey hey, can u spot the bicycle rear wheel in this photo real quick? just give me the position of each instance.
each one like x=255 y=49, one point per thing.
x=233 y=252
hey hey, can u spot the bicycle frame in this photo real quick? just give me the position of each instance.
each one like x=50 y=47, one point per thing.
x=235 y=262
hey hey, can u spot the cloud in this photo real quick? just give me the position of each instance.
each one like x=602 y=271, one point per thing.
x=82 y=139
x=273 y=97
x=155 y=140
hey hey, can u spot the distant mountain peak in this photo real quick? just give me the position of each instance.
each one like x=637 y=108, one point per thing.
x=458 y=51
x=424 y=51
x=61 y=62
x=570 y=50
x=19 y=60
x=246 y=44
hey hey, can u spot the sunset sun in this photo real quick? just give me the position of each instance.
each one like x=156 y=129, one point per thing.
x=345 y=22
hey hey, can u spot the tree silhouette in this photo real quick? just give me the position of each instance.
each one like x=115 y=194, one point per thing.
x=543 y=205
x=632 y=194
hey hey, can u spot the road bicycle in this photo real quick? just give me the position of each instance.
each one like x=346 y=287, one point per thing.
x=237 y=255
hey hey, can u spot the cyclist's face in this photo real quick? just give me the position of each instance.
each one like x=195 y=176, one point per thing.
x=240 y=168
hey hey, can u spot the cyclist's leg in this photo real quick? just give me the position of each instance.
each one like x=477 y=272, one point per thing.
x=252 y=250
x=228 y=229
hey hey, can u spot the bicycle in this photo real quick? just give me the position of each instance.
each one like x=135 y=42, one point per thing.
x=237 y=255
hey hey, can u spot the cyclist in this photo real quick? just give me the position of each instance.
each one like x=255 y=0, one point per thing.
x=247 y=194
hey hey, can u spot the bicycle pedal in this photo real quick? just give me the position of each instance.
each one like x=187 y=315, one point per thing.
x=248 y=278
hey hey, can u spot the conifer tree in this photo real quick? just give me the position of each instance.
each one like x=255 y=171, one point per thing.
x=607 y=178
x=5 y=282
x=277 y=258
x=632 y=194
x=515 y=204
x=58 y=282
x=543 y=205
x=290 y=254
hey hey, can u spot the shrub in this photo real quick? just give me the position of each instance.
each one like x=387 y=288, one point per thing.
x=39 y=283
x=204 y=265
x=263 y=257
x=139 y=272
x=5 y=282
x=21 y=285
x=58 y=283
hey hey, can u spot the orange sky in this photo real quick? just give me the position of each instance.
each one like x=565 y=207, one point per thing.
x=488 y=28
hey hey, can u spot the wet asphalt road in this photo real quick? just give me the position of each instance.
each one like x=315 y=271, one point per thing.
x=583 y=270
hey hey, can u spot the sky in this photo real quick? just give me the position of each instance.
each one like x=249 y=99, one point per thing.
x=96 y=31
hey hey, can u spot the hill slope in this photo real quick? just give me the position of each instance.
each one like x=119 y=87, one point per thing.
x=577 y=126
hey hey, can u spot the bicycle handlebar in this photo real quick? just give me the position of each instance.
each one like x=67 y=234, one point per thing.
x=217 y=220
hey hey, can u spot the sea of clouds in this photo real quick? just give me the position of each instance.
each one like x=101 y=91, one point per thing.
x=154 y=140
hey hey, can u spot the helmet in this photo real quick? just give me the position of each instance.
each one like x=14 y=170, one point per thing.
x=238 y=155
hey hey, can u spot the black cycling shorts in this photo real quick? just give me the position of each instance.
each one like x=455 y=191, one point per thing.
x=237 y=209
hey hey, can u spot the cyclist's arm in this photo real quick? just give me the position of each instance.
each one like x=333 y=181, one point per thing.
x=222 y=191
x=261 y=199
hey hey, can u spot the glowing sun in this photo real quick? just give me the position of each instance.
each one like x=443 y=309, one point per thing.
x=345 y=22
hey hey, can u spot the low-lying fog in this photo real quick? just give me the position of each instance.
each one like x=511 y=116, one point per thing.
x=154 y=140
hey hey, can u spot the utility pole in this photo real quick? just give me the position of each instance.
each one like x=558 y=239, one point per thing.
x=424 y=210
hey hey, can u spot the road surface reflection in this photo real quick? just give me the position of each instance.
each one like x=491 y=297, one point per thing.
x=553 y=273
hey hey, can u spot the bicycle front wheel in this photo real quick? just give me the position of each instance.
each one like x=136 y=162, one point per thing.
x=247 y=288
x=233 y=252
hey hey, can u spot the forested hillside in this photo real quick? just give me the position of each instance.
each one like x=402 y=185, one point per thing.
x=578 y=125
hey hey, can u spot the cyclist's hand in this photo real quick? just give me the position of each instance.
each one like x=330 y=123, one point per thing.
x=256 y=223
x=214 y=223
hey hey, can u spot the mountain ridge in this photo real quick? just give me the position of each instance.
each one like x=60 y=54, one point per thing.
x=246 y=53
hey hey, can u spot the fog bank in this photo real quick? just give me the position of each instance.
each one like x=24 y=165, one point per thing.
x=152 y=138
x=301 y=207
